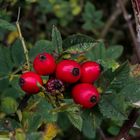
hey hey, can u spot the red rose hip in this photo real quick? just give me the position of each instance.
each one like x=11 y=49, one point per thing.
x=90 y=72
x=85 y=94
x=44 y=64
x=28 y=82
x=68 y=71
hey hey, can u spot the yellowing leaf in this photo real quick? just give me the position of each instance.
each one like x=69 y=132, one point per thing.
x=51 y=131
x=81 y=58
x=20 y=135
x=76 y=10
x=4 y=136
x=100 y=90
x=12 y=37
x=52 y=1
x=41 y=94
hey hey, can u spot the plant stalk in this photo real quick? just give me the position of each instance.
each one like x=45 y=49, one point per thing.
x=128 y=124
x=22 y=41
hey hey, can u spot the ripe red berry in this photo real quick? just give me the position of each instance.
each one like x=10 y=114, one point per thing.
x=85 y=94
x=55 y=86
x=68 y=71
x=90 y=72
x=28 y=82
x=44 y=64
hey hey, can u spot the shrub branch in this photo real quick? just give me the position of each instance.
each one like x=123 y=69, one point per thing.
x=22 y=41
x=128 y=124
x=127 y=18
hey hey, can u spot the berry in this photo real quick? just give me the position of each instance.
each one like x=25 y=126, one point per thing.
x=68 y=71
x=55 y=86
x=90 y=72
x=85 y=94
x=44 y=64
x=28 y=82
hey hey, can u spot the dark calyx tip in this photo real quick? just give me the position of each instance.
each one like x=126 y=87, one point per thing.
x=42 y=57
x=75 y=71
x=21 y=81
x=93 y=99
x=57 y=85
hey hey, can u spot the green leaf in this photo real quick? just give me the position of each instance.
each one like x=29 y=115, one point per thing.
x=57 y=40
x=76 y=39
x=79 y=44
x=131 y=91
x=15 y=84
x=120 y=78
x=40 y=47
x=11 y=92
x=91 y=17
x=63 y=121
x=34 y=122
x=88 y=128
x=109 y=64
x=8 y=105
x=113 y=106
x=114 y=52
x=4 y=83
x=113 y=130
x=44 y=109
x=75 y=118
x=91 y=122
x=34 y=136
x=97 y=53
x=17 y=53
x=6 y=25
x=98 y=14
x=5 y=61
x=89 y=11
x=81 y=48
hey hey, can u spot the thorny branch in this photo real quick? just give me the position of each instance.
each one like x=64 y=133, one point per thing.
x=134 y=114
x=127 y=17
x=128 y=124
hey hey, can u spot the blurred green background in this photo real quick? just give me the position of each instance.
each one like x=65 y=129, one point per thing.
x=90 y=17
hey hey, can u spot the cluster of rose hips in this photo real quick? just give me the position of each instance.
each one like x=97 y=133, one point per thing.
x=81 y=76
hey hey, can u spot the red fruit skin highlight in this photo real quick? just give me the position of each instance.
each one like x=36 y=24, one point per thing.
x=68 y=71
x=44 y=64
x=90 y=72
x=83 y=94
x=28 y=82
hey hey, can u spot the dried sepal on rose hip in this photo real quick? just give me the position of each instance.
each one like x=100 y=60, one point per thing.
x=55 y=86
x=90 y=72
x=68 y=71
x=85 y=94
x=28 y=82
x=44 y=64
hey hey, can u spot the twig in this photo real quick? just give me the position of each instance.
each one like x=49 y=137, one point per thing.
x=11 y=74
x=112 y=19
x=128 y=124
x=131 y=30
x=22 y=40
